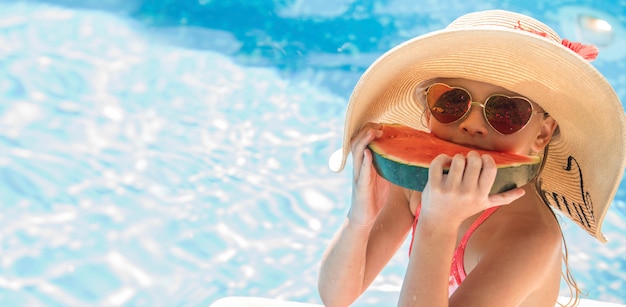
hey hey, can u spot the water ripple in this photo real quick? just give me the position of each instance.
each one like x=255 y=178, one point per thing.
x=138 y=173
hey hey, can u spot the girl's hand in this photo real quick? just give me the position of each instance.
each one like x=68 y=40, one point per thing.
x=449 y=199
x=369 y=190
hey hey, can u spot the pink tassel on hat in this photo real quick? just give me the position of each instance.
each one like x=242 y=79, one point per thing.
x=588 y=52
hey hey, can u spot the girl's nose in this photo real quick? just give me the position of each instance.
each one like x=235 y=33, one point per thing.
x=474 y=123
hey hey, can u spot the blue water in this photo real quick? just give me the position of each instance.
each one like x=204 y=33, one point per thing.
x=170 y=153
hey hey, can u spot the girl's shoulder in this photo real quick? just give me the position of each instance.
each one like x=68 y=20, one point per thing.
x=512 y=245
x=534 y=229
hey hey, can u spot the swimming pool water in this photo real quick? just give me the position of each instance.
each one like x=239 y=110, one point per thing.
x=169 y=153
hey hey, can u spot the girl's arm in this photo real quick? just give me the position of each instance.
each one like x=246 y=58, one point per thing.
x=358 y=253
x=375 y=228
x=426 y=279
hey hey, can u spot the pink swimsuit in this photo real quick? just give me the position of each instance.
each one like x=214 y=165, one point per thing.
x=457 y=272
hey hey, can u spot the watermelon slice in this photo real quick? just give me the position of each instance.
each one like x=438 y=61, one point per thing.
x=402 y=156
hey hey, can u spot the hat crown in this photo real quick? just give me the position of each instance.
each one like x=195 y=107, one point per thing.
x=504 y=20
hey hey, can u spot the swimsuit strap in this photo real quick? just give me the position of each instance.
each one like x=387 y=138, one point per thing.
x=458 y=265
x=469 y=232
x=417 y=215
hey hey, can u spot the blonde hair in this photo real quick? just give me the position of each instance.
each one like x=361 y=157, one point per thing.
x=568 y=277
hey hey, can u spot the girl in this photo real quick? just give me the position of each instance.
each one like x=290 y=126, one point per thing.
x=470 y=248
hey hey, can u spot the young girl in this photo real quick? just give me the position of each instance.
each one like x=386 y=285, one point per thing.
x=470 y=248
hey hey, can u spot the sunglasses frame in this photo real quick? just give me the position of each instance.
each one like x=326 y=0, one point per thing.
x=483 y=105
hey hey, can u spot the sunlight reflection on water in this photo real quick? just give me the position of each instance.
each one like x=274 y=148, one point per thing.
x=139 y=173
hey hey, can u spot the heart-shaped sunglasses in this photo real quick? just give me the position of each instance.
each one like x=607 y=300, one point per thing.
x=504 y=114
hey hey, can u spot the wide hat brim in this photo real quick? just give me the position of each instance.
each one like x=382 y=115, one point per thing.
x=585 y=162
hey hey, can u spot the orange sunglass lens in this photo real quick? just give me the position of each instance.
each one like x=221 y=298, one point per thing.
x=447 y=104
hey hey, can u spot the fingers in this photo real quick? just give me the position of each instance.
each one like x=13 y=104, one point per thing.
x=464 y=190
x=456 y=173
x=365 y=168
x=506 y=198
x=435 y=170
x=488 y=172
x=474 y=167
x=467 y=172
x=368 y=133
x=358 y=145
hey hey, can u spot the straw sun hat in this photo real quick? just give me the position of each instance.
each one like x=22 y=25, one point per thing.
x=584 y=162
